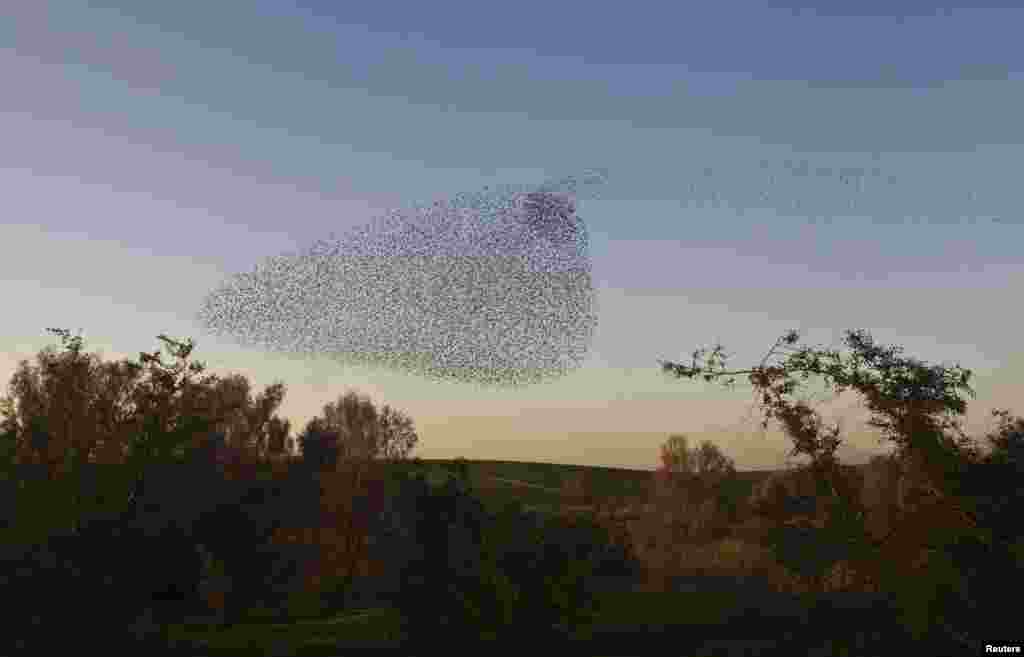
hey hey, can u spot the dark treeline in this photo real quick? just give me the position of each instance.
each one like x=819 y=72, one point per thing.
x=952 y=540
x=136 y=496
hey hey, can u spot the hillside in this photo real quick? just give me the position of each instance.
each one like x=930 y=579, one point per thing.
x=539 y=485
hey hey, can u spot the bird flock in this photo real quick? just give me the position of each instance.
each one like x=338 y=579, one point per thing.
x=492 y=288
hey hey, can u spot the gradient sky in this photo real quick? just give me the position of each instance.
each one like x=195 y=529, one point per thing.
x=771 y=167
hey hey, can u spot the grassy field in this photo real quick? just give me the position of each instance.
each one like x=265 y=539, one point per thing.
x=539 y=485
x=376 y=627
x=697 y=624
x=638 y=613
x=684 y=614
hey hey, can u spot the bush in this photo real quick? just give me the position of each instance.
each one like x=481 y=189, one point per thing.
x=435 y=541
x=237 y=528
x=506 y=575
x=97 y=583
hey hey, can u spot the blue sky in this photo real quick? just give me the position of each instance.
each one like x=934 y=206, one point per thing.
x=770 y=167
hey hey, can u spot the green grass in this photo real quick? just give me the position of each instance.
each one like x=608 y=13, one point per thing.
x=606 y=482
x=376 y=626
x=497 y=480
x=630 y=611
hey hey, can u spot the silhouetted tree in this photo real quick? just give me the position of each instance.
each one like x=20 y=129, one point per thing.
x=694 y=475
x=1007 y=442
x=320 y=445
x=917 y=407
x=364 y=431
x=513 y=576
x=398 y=434
x=706 y=462
x=676 y=455
x=101 y=432
x=279 y=442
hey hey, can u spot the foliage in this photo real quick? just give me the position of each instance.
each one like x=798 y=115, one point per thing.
x=88 y=446
x=353 y=497
x=487 y=575
x=434 y=543
x=694 y=476
x=94 y=454
x=914 y=404
x=361 y=430
x=155 y=426
x=399 y=436
x=917 y=407
x=320 y=446
x=706 y=462
x=72 y=410
x=96 y=582
x=676 y=455
x=236 y=527
x=1007 y=442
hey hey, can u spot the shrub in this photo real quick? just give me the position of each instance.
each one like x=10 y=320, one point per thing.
x=238 y=528
x=507 y=575
x=96 y=582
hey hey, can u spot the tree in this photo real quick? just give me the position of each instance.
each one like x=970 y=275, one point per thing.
x=278 y=441
x=345 y=445
x=695 y=479
x=912 y=403
x=362 y=431
x=171 y=410
x=1007 y=442
x=398 y=434
x=71 y=414
x=917 y=407
x=48 y=406
x=66 y=416
x=107 y=412
x=711 y=462
x=696 y=471
x=705 y=461
x=250 y=421
x=676 y=455
x=320 y=445
x=994 y=481
x=356 y=420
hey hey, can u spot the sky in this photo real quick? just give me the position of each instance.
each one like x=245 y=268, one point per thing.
x=771 y=166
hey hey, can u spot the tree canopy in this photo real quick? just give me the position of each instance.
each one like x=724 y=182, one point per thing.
x=355 y=427
x=952 y=514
